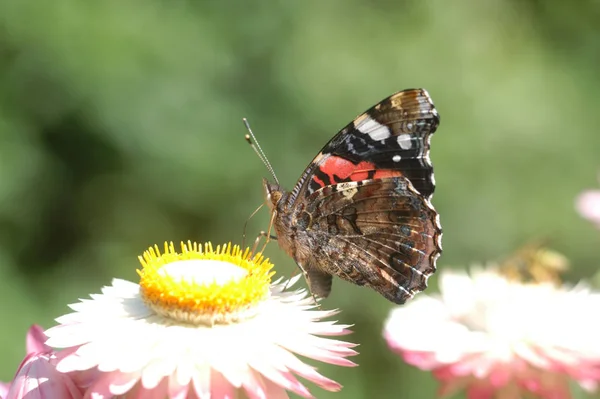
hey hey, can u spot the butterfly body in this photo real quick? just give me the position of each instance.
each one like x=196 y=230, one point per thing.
x=361 y=210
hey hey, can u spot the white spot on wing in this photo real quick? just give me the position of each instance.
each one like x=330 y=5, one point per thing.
x=396 y=158
x=404 y=141
x=348 y=189
x=374 y=129
x=349 y=193
x=346 y=185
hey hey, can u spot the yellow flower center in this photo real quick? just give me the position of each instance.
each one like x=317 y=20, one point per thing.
x=202 y=285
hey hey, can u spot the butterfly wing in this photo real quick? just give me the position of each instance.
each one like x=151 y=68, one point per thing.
x=393 y=135
x=381 y=233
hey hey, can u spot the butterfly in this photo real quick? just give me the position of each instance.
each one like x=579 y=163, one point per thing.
x=361 y=210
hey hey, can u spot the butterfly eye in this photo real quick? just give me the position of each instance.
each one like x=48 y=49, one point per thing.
x=275 y=196
x=272 y=192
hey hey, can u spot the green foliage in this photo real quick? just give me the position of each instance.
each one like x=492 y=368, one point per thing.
x=120 y=127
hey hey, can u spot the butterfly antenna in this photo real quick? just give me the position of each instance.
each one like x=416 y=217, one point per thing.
x=251 y=139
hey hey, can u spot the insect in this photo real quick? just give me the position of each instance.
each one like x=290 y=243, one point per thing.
x=361 y=210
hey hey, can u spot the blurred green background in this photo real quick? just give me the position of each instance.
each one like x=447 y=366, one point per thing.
x=120 y=127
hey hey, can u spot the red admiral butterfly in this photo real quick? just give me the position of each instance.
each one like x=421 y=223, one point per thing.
x=361 y=210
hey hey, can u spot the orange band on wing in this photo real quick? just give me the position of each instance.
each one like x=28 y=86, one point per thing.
x=338 y=169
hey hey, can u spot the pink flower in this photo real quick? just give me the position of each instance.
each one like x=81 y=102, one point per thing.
x=37 y=376
x=4 y=389
x=200 y=324
x=588 y=205
x=500 y=338
x=34 y=343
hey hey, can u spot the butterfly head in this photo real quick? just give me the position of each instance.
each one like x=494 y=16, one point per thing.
x=273 y=193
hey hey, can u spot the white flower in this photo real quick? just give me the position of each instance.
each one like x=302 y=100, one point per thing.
x=499 y=338
x=204 y=323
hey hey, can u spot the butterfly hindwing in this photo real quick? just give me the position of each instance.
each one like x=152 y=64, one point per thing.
x=381 y=233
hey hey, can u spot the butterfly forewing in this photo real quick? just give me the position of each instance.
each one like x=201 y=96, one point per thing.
x=361 y=210
x=392 y=135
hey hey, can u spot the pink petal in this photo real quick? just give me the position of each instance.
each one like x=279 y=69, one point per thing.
x=312 y=349
x=35 y=341
x=220 y=388
x=177 y=390
x=480 y=391
x=139 y=392
x=257 y=387
x=330 y=329
x=283 y=360
x=589 y=385
x=37 y=378
x=84 y=379
x=511 y=391
x=585 y=372
x=156 y=371
x=445 y=374
x=279 y=374
x=254 y=386
x=452 y=386
x=285 y=380
x=4 y=389
x=201 y=381
x=312 y=375
x=159 y=392
x=70 y=360
x=588 y=205
x=459 y=369
x=500 y=376
x=545 y=384
x=532 y=355
x=274 y=391
x=422 y=360
x=113 y=383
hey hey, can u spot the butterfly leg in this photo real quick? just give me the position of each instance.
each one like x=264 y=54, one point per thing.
x=259 y=237
x=292 y=276
x=308 y=279
x=312 y=294
x=267 y=234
